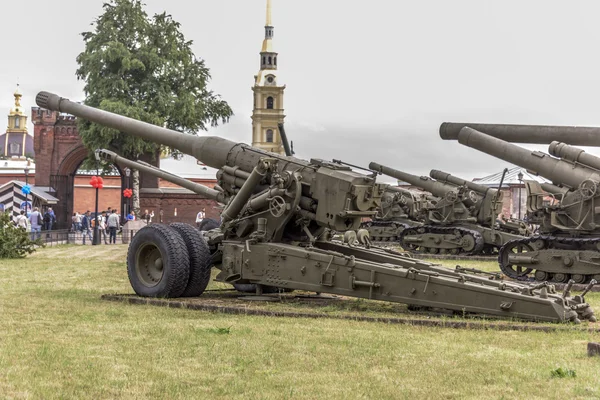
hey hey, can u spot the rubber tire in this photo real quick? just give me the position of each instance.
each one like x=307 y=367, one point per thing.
x=208 y=224
x=200 y=266
x=176 y=261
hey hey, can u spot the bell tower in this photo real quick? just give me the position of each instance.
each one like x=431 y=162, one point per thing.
x=268 y=96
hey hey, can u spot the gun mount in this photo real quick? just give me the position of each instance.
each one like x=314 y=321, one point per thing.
x=399 y=209
x=568 y=243
x=462 y=220
x=534 y=134
x=275 y=233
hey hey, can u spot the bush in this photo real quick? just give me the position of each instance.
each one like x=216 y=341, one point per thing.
x=15 y=242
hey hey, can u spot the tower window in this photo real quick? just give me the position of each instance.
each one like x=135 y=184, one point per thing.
x=270 y=102
x=264 y=60
x=269 y=138
x=275 y=60
x=270 y=59
x=17 y=122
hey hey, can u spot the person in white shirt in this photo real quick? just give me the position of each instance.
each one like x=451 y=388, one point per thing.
x=22 y=220
x=199 y=217
x=102 y=226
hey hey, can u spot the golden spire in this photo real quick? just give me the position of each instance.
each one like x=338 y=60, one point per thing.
x=17 y=110
x=268 y=13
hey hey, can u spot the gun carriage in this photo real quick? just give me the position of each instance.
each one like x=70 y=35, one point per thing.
x=279 y=212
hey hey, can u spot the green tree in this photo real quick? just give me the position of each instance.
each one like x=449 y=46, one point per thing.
x=15 y=242
x=142 y=67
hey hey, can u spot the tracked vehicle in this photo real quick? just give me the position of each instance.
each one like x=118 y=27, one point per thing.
x=567 y=211
x=275 y=232
x=399 y=209
x=463 y=220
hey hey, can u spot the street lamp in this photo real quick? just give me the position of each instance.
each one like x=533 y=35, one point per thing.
x=26 y=170
x=520 y=177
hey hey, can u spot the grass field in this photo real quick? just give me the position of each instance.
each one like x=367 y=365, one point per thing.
x=59 y=340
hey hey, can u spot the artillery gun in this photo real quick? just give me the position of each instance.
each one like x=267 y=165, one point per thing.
x=568 y=243
x=275 y=232
x=462 y=221
x=399 y=209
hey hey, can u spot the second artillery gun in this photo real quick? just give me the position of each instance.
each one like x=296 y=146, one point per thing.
x=399 y=209
x=567 y=211
x=276 y=228
x=463 y=219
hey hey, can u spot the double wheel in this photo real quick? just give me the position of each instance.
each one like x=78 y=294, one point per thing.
x=168 y=261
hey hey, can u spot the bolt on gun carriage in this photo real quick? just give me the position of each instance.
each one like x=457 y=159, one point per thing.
x=275 y=232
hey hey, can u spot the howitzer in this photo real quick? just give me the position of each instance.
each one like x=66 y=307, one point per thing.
x=462 y=220
x=568 y=243
x=535 y=134
x=275 y=233
x=399 y=209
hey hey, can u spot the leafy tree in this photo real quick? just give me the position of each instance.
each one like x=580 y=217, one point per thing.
x=142 y=67
x=15 y=242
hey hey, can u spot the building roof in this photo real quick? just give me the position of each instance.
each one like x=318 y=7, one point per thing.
x=511 y=178
x=35 y=191
x=188 y=167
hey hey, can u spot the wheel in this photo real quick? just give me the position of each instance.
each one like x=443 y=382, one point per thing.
x=578 y=278
x=512 y=270
x=561 y=278
x=200 y=266
x=542 y=276
x=208 y=223
x=468 y=243
x=158 y=263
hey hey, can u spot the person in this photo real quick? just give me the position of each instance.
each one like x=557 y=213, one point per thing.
x=148 y=216
x=73 y=223
x=49 y=219
x=199 y=217
x=131 y=216
x=102 y=226
x=36 y=224
x=22 y=220
x=86 y=225
x=78 y=221
x=113 y=224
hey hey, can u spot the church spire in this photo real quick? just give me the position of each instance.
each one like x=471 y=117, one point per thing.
x=268 y=56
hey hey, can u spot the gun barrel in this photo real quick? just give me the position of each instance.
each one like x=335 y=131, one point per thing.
x=536 y=134
x=284 y=140
x=113 y=157
x=211 y=150
x=557 y=170
x=438 y=189
x=441 y=176
x=563 y=150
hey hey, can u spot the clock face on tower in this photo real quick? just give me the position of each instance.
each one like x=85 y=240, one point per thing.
x=270 y=79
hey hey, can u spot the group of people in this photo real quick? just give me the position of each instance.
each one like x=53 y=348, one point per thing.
x=35 y=221
x=108 y=224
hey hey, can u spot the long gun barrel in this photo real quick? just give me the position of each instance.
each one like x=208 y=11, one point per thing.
x=574 y=154
x=438 y=189
x=445 y=177
x=284 y=140
x=536 y=134
x=114 y=158
x=211 y=150
x=559 y=171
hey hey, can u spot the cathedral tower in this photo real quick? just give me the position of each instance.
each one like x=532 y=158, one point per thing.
x=16 y=141
x=268 y=96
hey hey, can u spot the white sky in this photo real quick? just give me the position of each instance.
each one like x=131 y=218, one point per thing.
x=366 y=80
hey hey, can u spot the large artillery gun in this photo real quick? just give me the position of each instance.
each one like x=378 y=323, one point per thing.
x=399 y=209
x=567 y=211
x=275 y=232
x=463 y=219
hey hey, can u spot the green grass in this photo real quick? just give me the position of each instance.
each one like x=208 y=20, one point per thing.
x=59 y=340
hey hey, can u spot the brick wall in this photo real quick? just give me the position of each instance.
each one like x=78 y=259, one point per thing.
x=177 y=207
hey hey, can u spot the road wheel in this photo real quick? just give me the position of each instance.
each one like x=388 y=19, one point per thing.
x=200 y=265
x=158 y=263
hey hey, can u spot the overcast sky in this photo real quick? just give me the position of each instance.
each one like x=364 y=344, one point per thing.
x=366 y=80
